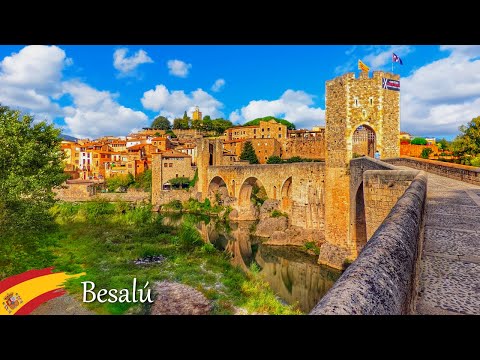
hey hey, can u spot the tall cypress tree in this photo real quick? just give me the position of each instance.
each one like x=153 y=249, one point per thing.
x=248 y=153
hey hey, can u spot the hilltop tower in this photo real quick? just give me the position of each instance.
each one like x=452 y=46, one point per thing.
x=197 y=114
x=362 y=117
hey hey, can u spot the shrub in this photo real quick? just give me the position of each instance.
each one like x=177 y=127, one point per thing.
x=426 y=153
x=310 y=245
x=173 y=205
x=278 y=213
x=475 y=161
x=274 y=159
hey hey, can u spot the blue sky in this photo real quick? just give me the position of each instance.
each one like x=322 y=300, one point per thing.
x=98 y=90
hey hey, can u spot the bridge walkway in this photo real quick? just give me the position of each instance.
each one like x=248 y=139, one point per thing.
x=449 y=282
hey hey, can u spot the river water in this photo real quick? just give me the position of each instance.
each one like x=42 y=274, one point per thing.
x=293 y=274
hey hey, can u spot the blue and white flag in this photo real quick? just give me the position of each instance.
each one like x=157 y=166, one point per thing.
x=396 y=58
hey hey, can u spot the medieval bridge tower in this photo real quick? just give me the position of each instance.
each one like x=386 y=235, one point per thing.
x=362 y=117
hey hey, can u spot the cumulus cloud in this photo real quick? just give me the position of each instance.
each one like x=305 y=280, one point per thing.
x=32 y=81
x=95 y=113
x=30 y=78
x=218 y=85
x=294 y=106
x=127 y=65
x=173 y=103
x=440 y=96
x=178 y=68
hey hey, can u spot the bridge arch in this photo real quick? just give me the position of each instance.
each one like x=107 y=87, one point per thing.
x=359 y=223
x=286 y=199
x=363 y=140
x=251 y=185
x=217 y=185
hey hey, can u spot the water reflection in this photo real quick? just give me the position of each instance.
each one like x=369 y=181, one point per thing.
x=292 y=274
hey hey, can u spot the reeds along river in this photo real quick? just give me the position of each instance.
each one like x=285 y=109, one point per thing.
x=293 y=274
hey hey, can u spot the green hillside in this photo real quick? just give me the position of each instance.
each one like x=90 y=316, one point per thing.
x=289 y=125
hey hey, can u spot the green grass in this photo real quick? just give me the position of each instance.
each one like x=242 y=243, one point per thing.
x=103 y=240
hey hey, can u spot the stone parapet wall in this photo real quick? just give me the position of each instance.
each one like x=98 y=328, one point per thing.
x=382 y=189
x=469 y=174
x=381 y=280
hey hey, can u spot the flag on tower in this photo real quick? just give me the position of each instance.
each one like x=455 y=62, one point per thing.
x=396 y=58
x=362 y=66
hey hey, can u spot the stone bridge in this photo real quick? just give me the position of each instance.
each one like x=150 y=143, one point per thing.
x=298 y=187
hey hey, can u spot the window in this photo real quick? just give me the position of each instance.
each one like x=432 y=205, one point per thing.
x=265 y=151
x=279 y=129
x=356 y=102
x=176 y=175
x=165 y=165
x=265 y=158
x=263 y=130
x=263 y=136
x=254 y=136
x=76 y=162
x=371 y=101
x=254 y=131
x=170 y=164
x=279 y=136
x=259 y=151
x=268 y=129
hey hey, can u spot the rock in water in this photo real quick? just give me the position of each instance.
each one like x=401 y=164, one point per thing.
x=178 y=299
x=267 y=226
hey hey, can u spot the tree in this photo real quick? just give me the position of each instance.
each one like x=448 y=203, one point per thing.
x=220 y=125
x=419 y=141
x=30 y=166
x=274 y=159
x=468 y=142
x=161 y=123
x=248 y=153
x=181 y=124
x=443 y=144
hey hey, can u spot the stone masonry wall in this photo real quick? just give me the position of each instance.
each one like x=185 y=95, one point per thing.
x=469 y=174
x=381 y=280
x=382 y=189
x=310 y=148
x=165 y=197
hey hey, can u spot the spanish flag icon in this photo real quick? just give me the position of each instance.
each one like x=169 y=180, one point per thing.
x=21 y=294
x=362 y=66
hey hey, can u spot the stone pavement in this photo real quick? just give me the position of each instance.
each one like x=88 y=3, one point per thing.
x=449 y=282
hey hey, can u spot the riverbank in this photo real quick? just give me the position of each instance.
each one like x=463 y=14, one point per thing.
x=105 y=239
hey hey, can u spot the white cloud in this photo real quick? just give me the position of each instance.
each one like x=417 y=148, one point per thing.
x=96 y=113
x=178 y=68
x=440 y=96
x=218 y=85
x=382 y=56
x=127 y=65
x=470 y=51
x=30 y=79
x=294 y=106
x=173 y=103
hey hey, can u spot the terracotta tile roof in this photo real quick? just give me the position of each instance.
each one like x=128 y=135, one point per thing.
x=136 y=147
